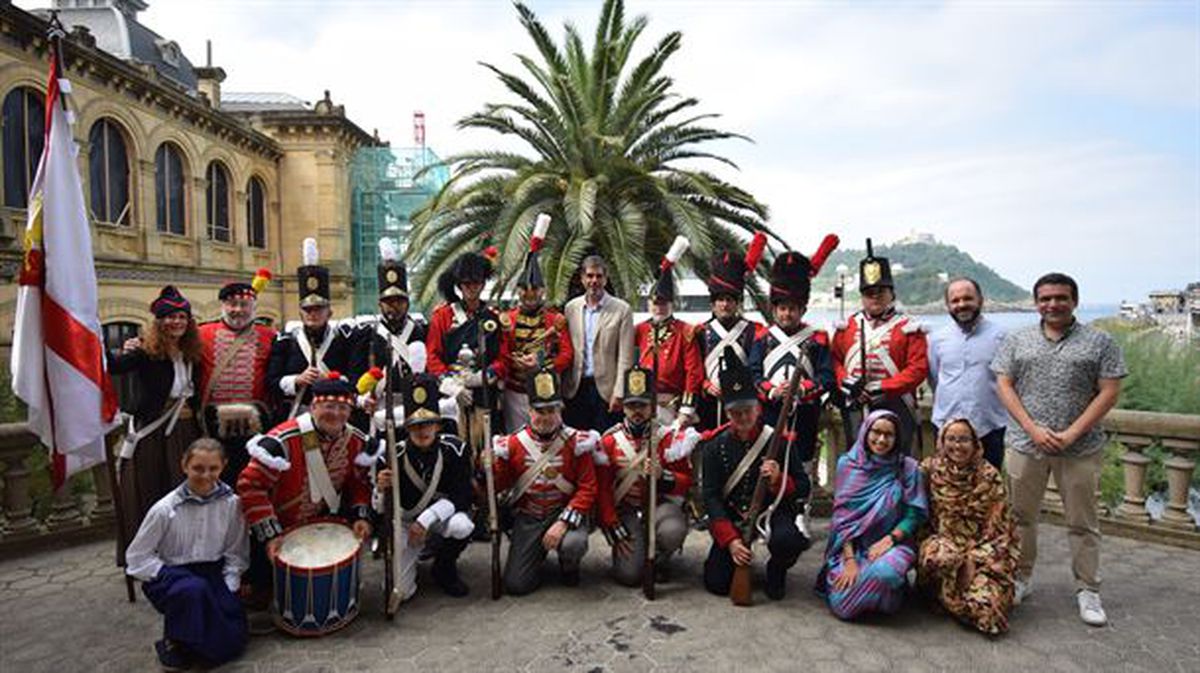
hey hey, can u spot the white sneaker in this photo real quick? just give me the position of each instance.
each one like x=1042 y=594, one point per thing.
x=1090 y=609
x=1022 y=591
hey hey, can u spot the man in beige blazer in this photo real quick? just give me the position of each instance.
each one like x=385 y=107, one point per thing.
x=601 y=327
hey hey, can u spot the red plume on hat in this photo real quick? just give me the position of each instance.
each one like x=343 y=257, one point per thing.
x=754 y=251
x=828 y=245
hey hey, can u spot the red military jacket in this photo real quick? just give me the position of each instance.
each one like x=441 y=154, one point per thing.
x=243 y=379
x=450 y=329
x=519 y=330
x=896 y=354
x=275 y=484
x=614 y=458
x=680 y=367
x=567 y=482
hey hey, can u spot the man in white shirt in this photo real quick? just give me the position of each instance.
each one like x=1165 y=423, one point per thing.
x=601 y=327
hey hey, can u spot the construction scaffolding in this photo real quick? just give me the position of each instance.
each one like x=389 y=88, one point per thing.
x=387 y=185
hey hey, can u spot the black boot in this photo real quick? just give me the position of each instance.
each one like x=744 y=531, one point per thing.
x=446 y=576
x=776 y=581
x=570 y=575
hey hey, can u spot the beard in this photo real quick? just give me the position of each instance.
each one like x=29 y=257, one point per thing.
x=965 y=318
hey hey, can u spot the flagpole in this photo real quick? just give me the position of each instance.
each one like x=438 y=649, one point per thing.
x=55 y=33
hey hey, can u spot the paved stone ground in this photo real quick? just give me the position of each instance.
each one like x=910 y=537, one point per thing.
x=65 y=611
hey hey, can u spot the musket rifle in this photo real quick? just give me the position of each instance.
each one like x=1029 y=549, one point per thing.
x=650 y=485
x=396 y=542
x=741 y=589
x=488 y=326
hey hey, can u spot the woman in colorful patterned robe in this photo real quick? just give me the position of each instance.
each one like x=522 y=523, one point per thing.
x=879 y=503
x=968 y=560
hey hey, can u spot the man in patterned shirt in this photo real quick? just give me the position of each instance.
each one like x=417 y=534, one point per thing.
x=1058 y=379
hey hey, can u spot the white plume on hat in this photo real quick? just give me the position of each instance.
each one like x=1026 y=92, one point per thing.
x=678 y=247
x=541 y=226
x=387 y=249
x=309 y=253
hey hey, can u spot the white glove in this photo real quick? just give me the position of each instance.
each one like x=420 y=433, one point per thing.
x=586 y=442
x=464 y=398
x=682 y=445
x=474 y=380
x=500 y=447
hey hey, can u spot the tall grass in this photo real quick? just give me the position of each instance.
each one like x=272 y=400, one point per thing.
x=1164 y=372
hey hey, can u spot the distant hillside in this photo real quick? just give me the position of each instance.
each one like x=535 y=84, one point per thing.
x=922 y=260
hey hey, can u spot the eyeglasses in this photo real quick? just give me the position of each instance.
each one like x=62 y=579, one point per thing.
x=959 y=441
x=881 y=434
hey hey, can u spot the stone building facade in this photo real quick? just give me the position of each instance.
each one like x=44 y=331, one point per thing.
x=183 y=187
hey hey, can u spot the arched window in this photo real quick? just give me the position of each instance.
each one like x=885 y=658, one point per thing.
x=108 y=173
x=24 y=136
x=115 y=334
x=216 y=202
x=256 y=214
x=169 y=189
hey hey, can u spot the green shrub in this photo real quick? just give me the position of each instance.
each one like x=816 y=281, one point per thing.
x=1164 y=373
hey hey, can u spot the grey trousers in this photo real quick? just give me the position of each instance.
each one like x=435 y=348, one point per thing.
x=670 y=526
x=526 y=555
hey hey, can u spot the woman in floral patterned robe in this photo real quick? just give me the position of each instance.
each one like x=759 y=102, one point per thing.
x=968 y=559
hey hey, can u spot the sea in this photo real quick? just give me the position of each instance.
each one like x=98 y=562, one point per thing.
x=825 y=318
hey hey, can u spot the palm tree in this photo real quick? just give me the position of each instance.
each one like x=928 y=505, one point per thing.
x=609 y=144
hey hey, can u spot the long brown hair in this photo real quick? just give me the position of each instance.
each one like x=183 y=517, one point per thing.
x=155 y=343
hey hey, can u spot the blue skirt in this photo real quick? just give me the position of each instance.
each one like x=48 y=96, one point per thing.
x=199 y=611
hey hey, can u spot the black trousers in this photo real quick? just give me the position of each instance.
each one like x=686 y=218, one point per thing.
x=588 y=410
x=785 y=546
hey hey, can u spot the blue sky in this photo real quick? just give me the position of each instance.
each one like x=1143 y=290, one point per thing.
x=1035 y=135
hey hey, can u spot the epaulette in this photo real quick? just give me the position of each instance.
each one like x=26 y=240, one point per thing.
x=689 y=331
x=269 y=451
x=911 y=326
x=284 y=335
x=840 y=324
x=821 y=336
x=505 y=320
x=560 y=320
x=457 y=445
x=346 y=329
x=362 y=436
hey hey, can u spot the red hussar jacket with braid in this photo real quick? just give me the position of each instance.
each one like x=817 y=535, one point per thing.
x=896 y=354
x=519 y=330
x=566 y=483
x=244 y=378
x=614 y=457
x=274 y=485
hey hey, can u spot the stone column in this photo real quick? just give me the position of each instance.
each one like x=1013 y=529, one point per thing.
x=1179 y=480
x=18 y=506
x=103 y=512
x=1136 y=464
x=65 y=513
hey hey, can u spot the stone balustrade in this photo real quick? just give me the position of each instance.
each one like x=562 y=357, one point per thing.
x=27 y=521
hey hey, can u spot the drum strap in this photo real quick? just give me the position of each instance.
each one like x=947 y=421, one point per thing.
x=320 y=486
x=427 y=490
